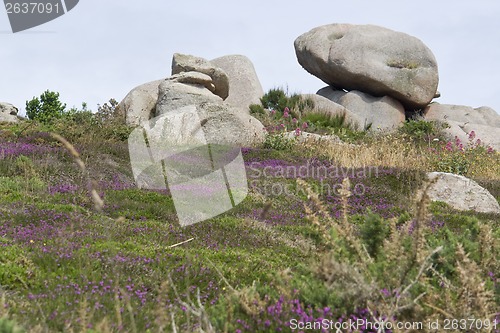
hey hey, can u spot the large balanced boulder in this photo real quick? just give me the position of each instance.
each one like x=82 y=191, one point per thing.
x=461 y=193
x=376 y=113
x=245 y=88
x=371 y=59
x=188 y=63
x=8 y=113
x=140 y=103
x=462 y=120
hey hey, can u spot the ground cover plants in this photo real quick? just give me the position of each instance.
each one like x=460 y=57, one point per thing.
x=341 y=232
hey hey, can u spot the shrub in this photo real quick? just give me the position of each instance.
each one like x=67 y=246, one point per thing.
x=83 y=126
x=373 y=231
x=8 y=326
x=323 y=120
x=417 y=128
x=462 y=158
x=46 y=108
x=277 y=99
x=256 y=109
x=279 y=141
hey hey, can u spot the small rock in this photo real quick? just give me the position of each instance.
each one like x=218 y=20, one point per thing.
x=8 y=113
x=461 y=193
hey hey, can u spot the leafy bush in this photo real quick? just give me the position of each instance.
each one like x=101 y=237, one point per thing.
x=46 y=108
x=277 y=99
x=83 y=126
x=256 y=109
x=9 y=326
x=334 y=125
x=17 y=270
x=461 y=158
x=456 y=162
x=279 y=141
x=421 y=129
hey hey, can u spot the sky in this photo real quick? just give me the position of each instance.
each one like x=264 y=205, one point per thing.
x=103 y=48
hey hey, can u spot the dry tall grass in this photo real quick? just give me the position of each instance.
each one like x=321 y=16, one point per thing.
x=399 y=151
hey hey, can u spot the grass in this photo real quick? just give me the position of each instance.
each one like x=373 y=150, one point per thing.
x=303 y=245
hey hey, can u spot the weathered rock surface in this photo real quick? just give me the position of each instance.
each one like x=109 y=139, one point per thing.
x=371 y=59
x=194 y=78
x=188 y=63
x=226 y=124
x=460 y=113
x=221 y=124
x=245 y=88
x=484 y=121
x=8 y=113
x=140 y=103
x=173 y=95
x=377 y=113
x=461 y=193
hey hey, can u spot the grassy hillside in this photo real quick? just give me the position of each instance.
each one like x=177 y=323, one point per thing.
x=301 y=247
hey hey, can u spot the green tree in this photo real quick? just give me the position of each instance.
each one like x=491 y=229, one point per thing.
x=46 y=108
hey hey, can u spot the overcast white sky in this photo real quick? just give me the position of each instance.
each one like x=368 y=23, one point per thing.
x=104 y=48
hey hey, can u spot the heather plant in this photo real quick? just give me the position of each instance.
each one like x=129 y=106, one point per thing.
x=304 y=254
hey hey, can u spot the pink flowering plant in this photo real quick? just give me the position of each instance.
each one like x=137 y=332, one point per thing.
x=456 y=156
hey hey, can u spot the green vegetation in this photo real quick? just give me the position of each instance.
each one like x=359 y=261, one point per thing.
x=46 y=108
x=356 y=243
x=421 y=130
x=281 y=112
